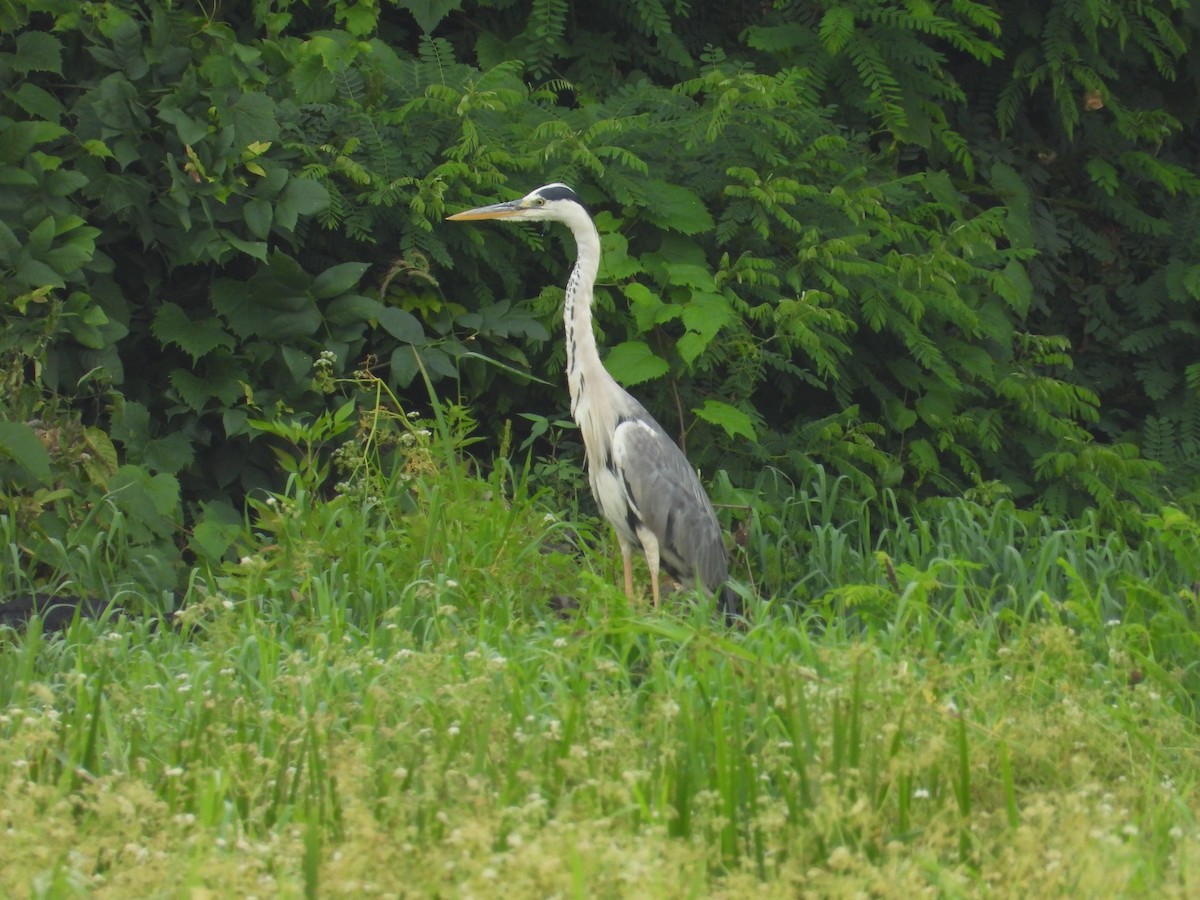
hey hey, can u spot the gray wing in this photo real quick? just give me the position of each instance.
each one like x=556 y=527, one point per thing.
x=668 y=498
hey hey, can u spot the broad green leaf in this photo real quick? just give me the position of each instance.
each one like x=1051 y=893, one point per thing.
x=311 y=80
x=633 y=362
x=37 y=102
x=297 y=361
x=351 y=308
x=210 y=540
x=301 y=197
x=338 y=280
x=36 y=274
x=401 y=325
x=64 y=182
x=648 y=308
x=37 y=51
x=20 y=443
x=152 y=502
x=15 y=177
x=192 y=390
x=287 y=326
x=438 y=363
x=254 y=118
x=85 y=323
x=690 y=346
x=21 y=137
x=735 y=422
x=244 y=316
x=289 y=273
x=258 y=215
x=131 y=426
x=97 y=148
x=429 y=13
x=40 y=237
x=676 y=208
x=196 y=338
x=171 y=453
x=358 y=18
x=256 y=249
x=707 y=314
x=188 y=129
x=615 y=261
x=404 y=365
x=196 y=391
x=10 y=247
x=704 y=317
x=69 y=258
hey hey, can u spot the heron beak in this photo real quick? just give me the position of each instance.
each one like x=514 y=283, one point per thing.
x=495 y=211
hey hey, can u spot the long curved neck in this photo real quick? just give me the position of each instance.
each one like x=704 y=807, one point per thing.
x=583 y=359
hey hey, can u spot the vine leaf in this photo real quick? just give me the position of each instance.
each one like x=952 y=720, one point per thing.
x=195 y=338
x=735 y=422
x=429 y=13
x=633 y=362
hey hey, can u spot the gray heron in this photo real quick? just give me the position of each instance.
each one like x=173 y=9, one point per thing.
x=641 y=480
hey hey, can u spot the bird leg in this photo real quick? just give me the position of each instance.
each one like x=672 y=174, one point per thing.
x=650 y=547
x=627 y=559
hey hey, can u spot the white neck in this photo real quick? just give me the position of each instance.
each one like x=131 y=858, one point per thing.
x=583 y=359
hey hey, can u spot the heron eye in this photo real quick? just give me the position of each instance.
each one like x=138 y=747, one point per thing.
x=541 y=201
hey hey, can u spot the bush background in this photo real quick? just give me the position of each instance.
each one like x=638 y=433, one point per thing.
x=933 y=247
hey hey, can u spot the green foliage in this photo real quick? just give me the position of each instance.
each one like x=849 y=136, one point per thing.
x=932 y=246
x=439 y=668
x=71 y=511
x=155 y=208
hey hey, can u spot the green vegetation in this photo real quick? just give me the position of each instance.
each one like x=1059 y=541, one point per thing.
x=431 y=684
x=929 y=246
x=915 y=281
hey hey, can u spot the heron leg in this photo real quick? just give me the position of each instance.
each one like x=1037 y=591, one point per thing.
x=650 y=547
x=627 y=559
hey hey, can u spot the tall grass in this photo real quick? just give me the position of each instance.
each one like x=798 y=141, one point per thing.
x=429 y=684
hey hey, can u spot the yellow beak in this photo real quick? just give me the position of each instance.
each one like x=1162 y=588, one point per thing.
x=495 y=211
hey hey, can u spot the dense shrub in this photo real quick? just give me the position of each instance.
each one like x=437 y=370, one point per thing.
x=932 y=247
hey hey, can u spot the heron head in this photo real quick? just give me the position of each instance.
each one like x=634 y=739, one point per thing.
x=551 y=201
